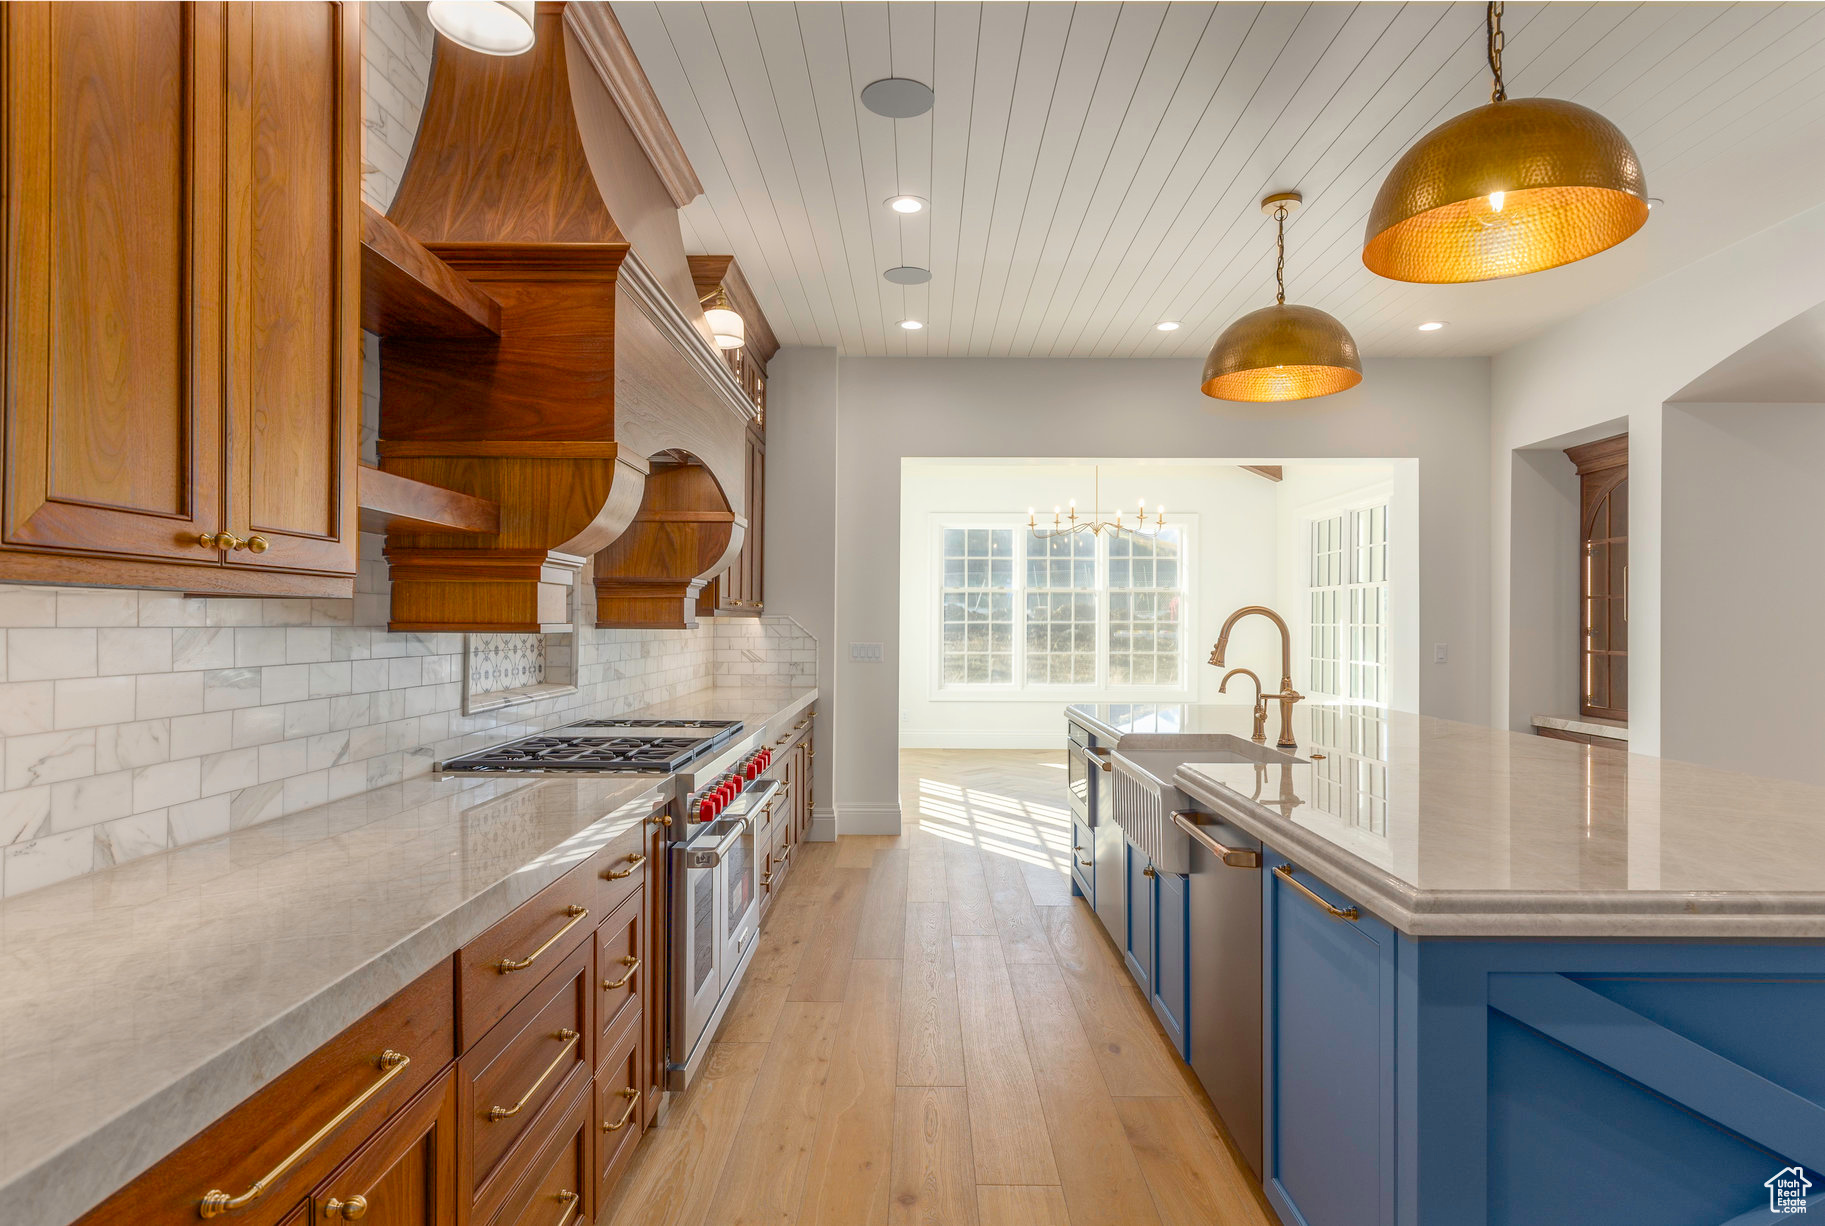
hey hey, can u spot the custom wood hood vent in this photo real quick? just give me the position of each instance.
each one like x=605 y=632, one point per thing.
x=571 y=382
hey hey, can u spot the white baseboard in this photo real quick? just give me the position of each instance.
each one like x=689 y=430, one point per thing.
x=823 y=826
x=867 y=819
x=950 y=738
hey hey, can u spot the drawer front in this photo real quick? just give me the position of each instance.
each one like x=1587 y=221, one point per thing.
x=622 y=867
x=556 y=1185
x=619 y=965
x=496 y=970
x=1083 y=860
x=406 y=1176
x=532 y=1059
x=256 y=1138
x=620 y=1118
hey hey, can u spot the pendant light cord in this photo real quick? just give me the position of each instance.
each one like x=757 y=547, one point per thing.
x=1499 y=93
x=1280 y=253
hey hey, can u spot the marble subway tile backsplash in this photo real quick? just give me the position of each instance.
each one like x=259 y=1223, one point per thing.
x=133 y=721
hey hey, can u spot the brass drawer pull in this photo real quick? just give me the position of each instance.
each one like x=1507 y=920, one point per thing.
x=570 y=1201
x=633 y=1100
x=215 y=1204
x=1149 y=871
x=632 y=964
x=509 y=965
x=1085 y=863
x=1098 y=753
x=352 y=1209
x=634 y=861
x=570 y=1038
x=1285 y=873
x=1234 y=857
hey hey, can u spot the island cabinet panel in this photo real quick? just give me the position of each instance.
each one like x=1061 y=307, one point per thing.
x=1586 y=1083
x=1137 y=951
x=371 y=1070
x=180 y=327
x=620 y=1118
x=1329 y=994
x=1172 y=939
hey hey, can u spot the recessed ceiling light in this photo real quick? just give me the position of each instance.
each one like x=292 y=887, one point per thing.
x=908 y=274
x=1166 y=325
x=906 y=204
x=911 y=325
x=1431 y=325
x=897 y=97
x=1655 y=202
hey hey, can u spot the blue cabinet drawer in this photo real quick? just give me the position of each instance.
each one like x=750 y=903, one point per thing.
x=1329 y=1036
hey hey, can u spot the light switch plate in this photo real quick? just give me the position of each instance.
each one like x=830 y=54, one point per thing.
x=1438 y=653
x=865 y=653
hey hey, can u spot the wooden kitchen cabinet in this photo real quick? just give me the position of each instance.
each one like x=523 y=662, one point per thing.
x=740 y=591
x=181 y=321
x=406 y=1176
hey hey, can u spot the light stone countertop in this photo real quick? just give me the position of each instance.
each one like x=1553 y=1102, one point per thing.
x=1449 y=829
x=1589 y=725
x=141 y=1003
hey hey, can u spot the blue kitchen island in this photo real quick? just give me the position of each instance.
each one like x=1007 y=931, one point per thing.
x=1498 y=980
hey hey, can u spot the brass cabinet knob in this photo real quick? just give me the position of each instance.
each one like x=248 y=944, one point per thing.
x=220 y=540
x=1148 y=872
x=349 y=1210
x=257 y=544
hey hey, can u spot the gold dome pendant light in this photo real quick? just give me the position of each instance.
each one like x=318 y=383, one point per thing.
x=1507 y=189
x=1282 y=352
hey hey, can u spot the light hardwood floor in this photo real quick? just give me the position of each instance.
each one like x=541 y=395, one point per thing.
x=933 y=1032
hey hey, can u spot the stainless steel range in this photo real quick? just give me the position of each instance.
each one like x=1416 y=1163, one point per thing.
x=656 y=746
x=720 y=792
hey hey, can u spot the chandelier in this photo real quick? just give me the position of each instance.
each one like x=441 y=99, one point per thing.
x=1066 y=520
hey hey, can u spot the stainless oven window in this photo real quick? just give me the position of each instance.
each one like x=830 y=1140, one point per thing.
x=703 y=931
x=738 y=863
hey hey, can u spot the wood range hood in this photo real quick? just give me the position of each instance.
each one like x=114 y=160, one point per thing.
x=543 y=350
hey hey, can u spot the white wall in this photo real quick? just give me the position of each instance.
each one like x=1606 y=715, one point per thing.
x=1618 y=362
x=800 y=546
x=1742 y=588
x=1230 y=515
x=1433 y=411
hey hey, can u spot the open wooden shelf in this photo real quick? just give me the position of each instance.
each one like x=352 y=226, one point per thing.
x=391 y=501
x=407 y=291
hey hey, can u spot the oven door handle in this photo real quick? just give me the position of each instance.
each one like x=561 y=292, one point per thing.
x=709 y=857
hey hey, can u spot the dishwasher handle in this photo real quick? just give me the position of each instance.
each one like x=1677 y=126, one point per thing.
x=1234 y=857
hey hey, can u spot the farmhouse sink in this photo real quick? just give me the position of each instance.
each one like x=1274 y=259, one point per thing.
x=1144 y=795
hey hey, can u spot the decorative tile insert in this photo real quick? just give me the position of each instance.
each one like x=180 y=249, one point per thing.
x=505 y=662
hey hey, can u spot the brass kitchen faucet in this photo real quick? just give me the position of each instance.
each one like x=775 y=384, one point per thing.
x=1287 y=695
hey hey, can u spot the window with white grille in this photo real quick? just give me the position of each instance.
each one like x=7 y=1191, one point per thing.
x=1348 y=605
x=1076 y=609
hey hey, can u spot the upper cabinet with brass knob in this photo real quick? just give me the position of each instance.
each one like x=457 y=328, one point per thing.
x=183 y=377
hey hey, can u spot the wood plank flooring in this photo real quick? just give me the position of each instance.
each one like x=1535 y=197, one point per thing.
x=933 y=1032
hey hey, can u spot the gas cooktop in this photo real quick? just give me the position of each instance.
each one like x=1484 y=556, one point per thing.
x=657 y=746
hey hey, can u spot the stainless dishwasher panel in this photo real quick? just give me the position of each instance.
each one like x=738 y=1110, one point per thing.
x=1225 y=1009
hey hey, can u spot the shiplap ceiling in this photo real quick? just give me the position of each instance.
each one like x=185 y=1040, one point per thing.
x=1094 y=169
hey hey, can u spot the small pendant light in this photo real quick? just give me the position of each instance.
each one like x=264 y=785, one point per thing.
x=1510 y=188
x=726 y=327
x=492 y=27
x=1282 y=352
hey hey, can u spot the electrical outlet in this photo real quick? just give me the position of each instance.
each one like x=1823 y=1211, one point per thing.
x=865 y=653
x=1438 y=653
